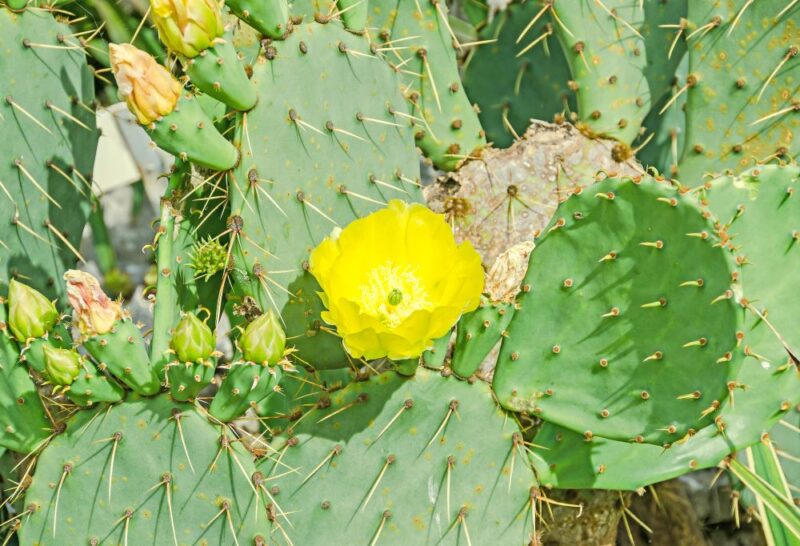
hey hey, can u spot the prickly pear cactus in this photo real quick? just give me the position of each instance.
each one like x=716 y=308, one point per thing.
x=757 y=213
x=565 y=459
x=447 y=127
x=652 y=334
x=48 y=123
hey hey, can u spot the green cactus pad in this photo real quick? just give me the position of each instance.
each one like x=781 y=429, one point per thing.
x=188 y=133
x=354 y=13
x=451 y=130
x=218 y=72
x=742 y=84
x=627 y=324
x=23 y=421
x=269 y=17
x=48 y=125
x=478 y=333
x=759 y=212
x=435 y=356
x=122 y=475
x=415 y=38
x=92 y=387
x=187 y=379
x=425 y=460
x=299 y=392
x=664 y=51
x=768 y=386
x=245 y=386
x=123 y=352
x=607 y=59
x=565 y=459
x=510 y=88
x=312 y=162
x=666 y=131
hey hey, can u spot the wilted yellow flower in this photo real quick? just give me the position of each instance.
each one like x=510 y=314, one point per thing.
x=93 y=312
x=187 y=26
x=149 y=89
x=395 y=280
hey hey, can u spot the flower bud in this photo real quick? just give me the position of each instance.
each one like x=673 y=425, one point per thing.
x=208 y=258
x=187 y=27
x=263 y=340
x=30 y=313
x=62 y=365
x=93 y=312
x=193 y=340
x=149 y=89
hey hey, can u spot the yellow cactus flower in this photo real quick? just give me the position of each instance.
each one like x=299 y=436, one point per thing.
x=93 y=312
x=187 y=27
x=396 y=280
x=149 y=89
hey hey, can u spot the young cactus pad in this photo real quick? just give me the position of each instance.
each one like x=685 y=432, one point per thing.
x=426 y=460
x=628 y=320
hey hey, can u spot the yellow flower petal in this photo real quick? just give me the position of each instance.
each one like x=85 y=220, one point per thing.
x=396 y=280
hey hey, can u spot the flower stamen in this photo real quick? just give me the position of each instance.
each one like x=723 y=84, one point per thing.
x=393 y=292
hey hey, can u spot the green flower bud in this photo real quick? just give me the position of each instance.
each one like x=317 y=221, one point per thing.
x=30 y=314
x=192 y=339
x=263 y=340
x=208 y=258
x=62 y=365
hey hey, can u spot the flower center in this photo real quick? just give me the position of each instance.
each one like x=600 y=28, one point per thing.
x=395 y=296
x=393 y=292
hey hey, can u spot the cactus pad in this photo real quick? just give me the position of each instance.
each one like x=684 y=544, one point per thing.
x=742 y=86
x=124 y=475
x=606 y=56
x=565 y=459
x=477 y=334
x=416 y=39
x=628 y=321
x=759 y=213
x=512 y=85
x=48 y=124
x=426 y=460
